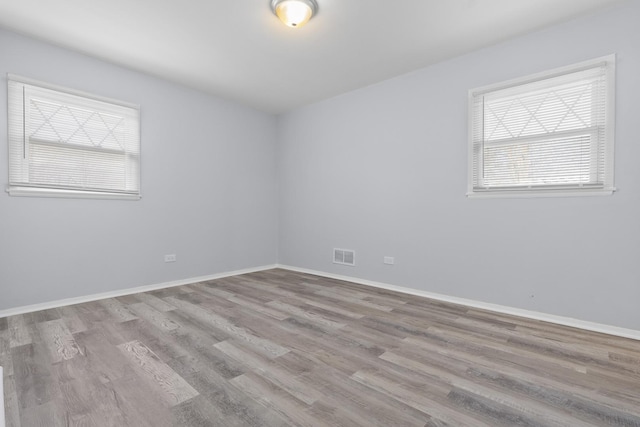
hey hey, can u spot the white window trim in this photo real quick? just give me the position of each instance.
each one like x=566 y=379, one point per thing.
x=19 y=191
x=70 y=91
x=556 y=191
x=42 y=191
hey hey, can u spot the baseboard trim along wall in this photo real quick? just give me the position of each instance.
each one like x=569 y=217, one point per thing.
x=128 y=291
x=560 y=320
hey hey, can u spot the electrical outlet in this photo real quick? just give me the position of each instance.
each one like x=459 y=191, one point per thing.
x=389 y=260
x=170 y=258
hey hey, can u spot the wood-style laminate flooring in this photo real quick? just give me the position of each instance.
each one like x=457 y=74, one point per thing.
x=279 y=348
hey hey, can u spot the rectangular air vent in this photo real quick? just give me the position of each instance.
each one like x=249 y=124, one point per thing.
x=344 y=257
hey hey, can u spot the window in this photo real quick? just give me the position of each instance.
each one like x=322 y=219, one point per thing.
x=547 y=134
x=64 y=143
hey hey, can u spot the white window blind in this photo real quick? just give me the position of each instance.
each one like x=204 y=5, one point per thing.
x=71 y=144
x=544 y=134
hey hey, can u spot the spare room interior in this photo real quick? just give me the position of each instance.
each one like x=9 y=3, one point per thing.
x=320 y=213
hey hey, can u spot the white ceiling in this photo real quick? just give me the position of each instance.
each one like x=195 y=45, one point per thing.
x=239 y=50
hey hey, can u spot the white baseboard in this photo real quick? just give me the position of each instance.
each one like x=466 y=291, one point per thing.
x=128 y=291
x=551 y=318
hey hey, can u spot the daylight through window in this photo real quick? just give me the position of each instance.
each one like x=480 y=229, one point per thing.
x=66 y=143
x=546 y=134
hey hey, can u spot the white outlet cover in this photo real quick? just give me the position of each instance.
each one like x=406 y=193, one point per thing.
x=389 y=260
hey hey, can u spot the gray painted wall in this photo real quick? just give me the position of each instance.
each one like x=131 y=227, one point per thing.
x=383 y=171
x=208 y=187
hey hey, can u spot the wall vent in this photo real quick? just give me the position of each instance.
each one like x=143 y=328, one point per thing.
x=344 y=256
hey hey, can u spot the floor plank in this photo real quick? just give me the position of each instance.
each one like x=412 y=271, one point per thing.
x=175 y=389
x=58 y=339
x=18 y=331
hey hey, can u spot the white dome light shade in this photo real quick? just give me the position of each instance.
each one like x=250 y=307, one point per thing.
x=294 y=13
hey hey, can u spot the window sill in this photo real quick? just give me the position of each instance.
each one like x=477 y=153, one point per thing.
x=518 y=194
x=68 y=194
x=527 y=194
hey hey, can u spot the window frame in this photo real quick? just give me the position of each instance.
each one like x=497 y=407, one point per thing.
x=559 y=190
x=22 y=186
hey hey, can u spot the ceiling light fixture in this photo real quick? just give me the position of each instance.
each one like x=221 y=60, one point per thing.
x=294 y=13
